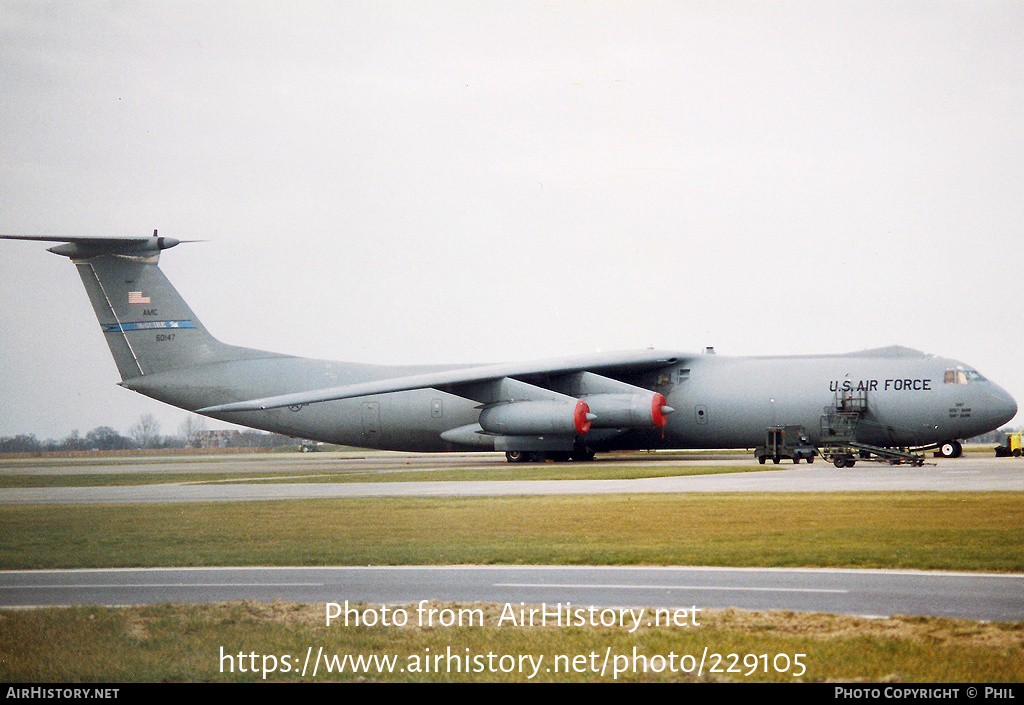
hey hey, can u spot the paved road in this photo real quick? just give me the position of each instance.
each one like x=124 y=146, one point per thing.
x=857 y=592
x=963 y=474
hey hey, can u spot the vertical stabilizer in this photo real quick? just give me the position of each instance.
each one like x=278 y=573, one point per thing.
x=146 y=323
x=148 y=326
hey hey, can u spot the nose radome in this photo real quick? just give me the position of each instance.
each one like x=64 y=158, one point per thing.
x=1004 y=407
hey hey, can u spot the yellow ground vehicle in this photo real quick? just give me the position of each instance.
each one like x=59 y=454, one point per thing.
x=1011 y=446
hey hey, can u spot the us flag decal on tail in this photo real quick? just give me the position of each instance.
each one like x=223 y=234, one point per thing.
x=136 y=297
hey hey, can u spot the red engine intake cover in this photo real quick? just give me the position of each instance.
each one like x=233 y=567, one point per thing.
x=657 y=416
x=580 y=418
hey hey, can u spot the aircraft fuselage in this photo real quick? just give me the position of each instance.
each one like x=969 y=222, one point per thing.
x=719 y=401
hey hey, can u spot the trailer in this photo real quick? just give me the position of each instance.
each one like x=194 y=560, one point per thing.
x=838 y=442
x=846 y=455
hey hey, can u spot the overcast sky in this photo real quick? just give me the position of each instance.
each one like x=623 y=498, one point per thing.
x=417 y=182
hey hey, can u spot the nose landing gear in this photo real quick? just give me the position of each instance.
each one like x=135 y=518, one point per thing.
x=951 y=449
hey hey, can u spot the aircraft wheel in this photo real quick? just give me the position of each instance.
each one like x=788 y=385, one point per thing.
x=775 y=460
x=951 y=449
x=517 y=456
x=761 y=460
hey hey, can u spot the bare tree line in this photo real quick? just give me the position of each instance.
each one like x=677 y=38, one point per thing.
x=145 y=433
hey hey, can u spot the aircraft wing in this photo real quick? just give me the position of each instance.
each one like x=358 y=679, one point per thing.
x=468 y=381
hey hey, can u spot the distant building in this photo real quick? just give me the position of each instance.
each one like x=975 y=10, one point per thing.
x=215 y=439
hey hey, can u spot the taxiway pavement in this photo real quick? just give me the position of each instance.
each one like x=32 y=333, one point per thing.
x=995 y=597
x=967 y=474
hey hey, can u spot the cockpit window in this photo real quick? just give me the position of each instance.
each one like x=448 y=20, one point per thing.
x=959 y=375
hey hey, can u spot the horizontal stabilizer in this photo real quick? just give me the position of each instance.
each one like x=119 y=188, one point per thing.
x=84 y=247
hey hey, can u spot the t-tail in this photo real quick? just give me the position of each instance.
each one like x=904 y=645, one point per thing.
x=148 y=326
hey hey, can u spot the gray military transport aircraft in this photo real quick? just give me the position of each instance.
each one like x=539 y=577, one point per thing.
x=562 y=408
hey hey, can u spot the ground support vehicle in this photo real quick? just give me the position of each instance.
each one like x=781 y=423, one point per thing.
x=1011 y=446
x=791 y=442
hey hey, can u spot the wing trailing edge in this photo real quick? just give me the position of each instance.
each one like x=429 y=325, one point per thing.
x=454 y=380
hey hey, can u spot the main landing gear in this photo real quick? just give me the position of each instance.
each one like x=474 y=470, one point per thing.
x=579 y=454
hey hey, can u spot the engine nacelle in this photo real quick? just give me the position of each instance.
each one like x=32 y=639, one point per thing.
x=537 y=418
x=646 y=410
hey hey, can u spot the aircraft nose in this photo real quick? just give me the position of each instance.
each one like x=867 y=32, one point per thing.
x=1002 y=407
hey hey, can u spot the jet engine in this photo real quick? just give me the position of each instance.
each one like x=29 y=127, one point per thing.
x=537 y=418
x=646 y=410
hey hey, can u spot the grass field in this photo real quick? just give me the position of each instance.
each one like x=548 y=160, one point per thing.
x=172 y=643
x=949 y=531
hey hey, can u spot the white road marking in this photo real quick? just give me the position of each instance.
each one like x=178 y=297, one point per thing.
x=600 y=586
